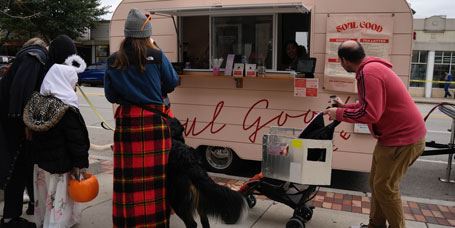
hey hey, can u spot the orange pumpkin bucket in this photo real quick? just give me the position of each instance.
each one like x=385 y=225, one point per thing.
x=84 y=190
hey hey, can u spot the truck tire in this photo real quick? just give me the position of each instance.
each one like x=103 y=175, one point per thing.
x=221 y=159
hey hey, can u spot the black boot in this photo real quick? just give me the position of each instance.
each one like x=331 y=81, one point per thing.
x=17 y=223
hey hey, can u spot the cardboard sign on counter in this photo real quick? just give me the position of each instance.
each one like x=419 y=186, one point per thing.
x=250 y=70
x=229 y=64
x=238 y=70
x=306 y=87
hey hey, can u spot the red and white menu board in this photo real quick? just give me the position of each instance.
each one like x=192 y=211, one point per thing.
x=306 y=87
x=373 y=31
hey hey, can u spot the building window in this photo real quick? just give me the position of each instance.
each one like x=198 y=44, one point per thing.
x=444 y=62
x=418 y=68
x=101 y=53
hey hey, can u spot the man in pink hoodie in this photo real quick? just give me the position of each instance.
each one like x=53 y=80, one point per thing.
x=393 y=118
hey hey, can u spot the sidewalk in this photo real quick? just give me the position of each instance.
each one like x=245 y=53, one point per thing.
x=334 y=208
x=423 y=100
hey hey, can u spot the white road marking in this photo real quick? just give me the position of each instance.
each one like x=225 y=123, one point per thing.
x=439 y=116
x=95 y=127
x=432 y=161
x=439 y=132
x=101 y=158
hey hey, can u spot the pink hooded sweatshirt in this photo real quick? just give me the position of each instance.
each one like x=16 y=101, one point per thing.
x=385 y=105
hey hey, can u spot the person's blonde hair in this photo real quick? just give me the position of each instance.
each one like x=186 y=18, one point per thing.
x=35 y=41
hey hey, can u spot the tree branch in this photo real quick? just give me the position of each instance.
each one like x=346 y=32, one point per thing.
x=19 y=17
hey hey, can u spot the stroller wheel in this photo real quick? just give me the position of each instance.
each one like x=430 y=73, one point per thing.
x=251 y=200
x=305 y=213
x=295 y=222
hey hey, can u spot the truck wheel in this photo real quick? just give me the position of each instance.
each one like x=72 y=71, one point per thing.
x=221 y=159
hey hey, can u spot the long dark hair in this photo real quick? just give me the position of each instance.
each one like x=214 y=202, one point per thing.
x=133 y=51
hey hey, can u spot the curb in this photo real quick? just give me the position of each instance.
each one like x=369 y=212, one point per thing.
x=432 y=101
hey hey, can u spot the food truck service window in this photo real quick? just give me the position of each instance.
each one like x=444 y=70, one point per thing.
x=248 y=37
x=261 y=39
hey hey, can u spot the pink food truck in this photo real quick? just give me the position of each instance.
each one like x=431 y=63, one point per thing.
x=248 y=66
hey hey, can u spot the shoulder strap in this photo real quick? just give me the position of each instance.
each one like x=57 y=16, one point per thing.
x=159 y=112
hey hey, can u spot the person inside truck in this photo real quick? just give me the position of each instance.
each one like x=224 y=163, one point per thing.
x=294 y=52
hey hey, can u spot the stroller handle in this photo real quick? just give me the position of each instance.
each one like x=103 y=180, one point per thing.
x=334 y=123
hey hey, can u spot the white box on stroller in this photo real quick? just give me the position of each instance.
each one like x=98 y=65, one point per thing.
x=302 y=161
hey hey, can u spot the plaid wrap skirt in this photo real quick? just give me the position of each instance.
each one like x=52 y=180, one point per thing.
x=142 y=142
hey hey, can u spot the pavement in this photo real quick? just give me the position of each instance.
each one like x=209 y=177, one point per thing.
x=334 y=207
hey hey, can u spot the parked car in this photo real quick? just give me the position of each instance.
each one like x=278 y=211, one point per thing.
x=93 y=74
x=5 y=61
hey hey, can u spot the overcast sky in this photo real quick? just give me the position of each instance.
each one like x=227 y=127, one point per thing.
x=113 y=4
x=423 y=8
x=428 y=8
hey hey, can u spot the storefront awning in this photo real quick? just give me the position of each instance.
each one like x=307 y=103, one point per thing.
x=220 y=9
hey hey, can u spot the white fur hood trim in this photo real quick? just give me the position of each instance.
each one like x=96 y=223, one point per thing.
x=76 y=58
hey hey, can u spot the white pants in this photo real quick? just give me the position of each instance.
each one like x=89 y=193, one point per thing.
x=53 y=207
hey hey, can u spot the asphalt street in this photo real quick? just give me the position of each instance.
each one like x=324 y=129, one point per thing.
x=420 y=181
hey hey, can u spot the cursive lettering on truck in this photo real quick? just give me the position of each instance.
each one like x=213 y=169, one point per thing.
x=251 y=121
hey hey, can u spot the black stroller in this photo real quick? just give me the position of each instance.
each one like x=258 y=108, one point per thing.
x=293 y=195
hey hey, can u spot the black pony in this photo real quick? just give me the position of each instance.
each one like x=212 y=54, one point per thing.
x=191 y=189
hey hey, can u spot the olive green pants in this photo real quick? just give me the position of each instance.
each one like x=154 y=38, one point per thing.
x=387 y=169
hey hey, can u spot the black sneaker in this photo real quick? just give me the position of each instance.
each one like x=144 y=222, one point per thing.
x=17 y=223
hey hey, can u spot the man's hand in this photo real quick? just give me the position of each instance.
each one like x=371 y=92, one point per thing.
x=332 y=112
x=336 y=102
x=339 y=102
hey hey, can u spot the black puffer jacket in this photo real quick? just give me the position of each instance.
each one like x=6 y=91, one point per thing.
x=60 y=137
